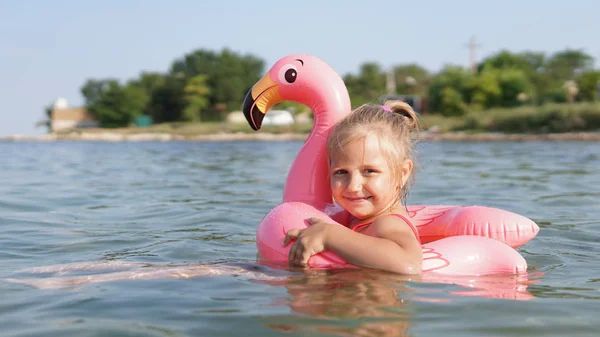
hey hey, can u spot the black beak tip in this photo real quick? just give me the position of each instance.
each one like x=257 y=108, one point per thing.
x=251 y=112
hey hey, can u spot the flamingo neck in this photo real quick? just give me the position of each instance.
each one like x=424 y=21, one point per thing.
x=308 y=179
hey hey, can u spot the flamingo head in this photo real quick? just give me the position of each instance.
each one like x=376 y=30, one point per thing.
x=301 y=78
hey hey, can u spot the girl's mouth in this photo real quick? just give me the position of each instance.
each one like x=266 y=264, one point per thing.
x=355 y=199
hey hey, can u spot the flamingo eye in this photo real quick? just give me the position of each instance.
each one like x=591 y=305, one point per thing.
x=288 y=74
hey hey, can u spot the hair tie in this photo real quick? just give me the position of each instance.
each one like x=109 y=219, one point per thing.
x=386 y=108
x=401 y=112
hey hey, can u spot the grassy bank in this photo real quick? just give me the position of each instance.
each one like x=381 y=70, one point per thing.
x=551 y=118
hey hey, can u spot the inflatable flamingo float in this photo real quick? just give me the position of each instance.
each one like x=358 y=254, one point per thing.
x=457 y=240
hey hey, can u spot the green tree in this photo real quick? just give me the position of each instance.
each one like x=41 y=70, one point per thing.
x=47 y=122
x=229 y=75
x=513 y=82
x=486 y=91
x=150 y=82
x=167 y=102
x=196 y=97
x=516 y=73
x=566 y=65
x=367 y=86
x=504 y=59
x=536 y=60
x=561 y=67
x=589 y=85
x=94 y=89
x=411 y=79
x=118 y=106
x=48 y=110
x=452 y=102
x=460 y=84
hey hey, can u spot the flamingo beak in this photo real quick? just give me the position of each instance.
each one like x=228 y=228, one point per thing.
x=263 y=95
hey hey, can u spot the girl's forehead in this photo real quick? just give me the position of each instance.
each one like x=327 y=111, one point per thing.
x=367 y=149
x=367 y=143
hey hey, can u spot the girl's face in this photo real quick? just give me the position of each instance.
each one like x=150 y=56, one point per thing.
x=362 y=181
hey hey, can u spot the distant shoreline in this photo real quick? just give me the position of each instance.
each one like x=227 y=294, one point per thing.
x=265 y=136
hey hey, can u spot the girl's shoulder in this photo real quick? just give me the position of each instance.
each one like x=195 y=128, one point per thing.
x=396 y=221
x=396 y=217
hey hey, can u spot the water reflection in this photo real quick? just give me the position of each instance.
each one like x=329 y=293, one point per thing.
x=507 y=287
x=345 y=303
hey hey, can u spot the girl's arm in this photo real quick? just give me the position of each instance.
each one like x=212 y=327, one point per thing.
x=387 y=244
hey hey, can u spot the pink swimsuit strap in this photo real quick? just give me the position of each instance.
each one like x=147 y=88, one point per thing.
x=414 y=229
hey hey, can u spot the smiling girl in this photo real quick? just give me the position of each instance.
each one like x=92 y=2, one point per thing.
x=371 y=165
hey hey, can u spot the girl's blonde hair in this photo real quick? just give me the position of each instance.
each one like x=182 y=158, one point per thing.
x=396 y=125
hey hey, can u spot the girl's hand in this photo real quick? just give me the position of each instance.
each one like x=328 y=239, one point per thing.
x=308 y=242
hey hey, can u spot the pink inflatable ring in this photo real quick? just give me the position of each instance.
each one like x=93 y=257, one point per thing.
x=457 y=240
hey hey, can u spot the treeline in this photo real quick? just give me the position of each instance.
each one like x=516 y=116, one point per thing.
x=205 y=85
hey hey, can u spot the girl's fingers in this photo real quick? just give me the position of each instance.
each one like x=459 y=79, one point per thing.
x=296 y=253
x=290 y=235
x=303 y=259
x=292 y=253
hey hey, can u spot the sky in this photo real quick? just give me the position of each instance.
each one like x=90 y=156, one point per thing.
x=48 y=49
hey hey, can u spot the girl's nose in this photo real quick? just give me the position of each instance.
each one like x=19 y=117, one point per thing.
x=355 y=183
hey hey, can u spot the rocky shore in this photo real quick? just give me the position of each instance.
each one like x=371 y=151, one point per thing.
x=263 y=136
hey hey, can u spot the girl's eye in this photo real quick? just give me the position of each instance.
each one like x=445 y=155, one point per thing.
x=370 y=171
x=337 y=172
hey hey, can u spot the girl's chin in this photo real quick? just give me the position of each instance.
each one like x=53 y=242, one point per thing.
x=361 y=215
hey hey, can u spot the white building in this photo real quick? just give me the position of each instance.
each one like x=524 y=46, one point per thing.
x=64 y=117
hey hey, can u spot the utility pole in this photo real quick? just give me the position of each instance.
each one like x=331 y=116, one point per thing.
x=473 y=45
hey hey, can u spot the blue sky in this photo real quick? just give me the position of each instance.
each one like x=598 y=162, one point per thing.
x=49 y=48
